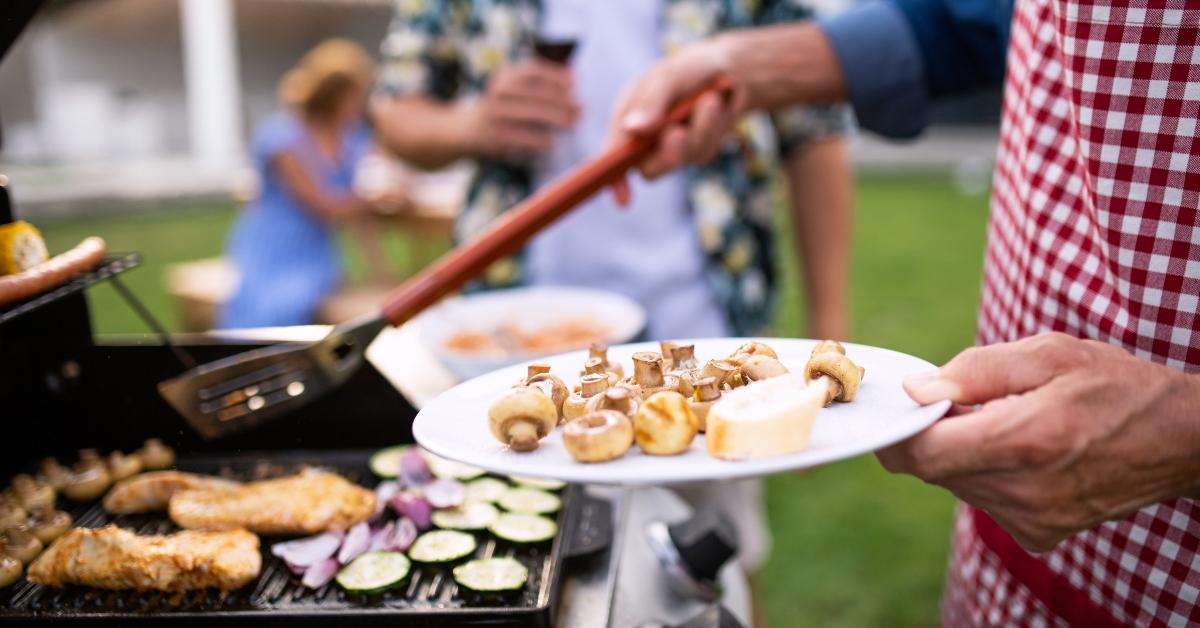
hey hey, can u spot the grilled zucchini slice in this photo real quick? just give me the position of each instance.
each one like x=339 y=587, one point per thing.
x=442 y=546
x=374 y=572
x=492 y=575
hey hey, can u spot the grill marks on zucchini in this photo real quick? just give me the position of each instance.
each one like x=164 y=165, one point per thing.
x=523 y=528
x=492 y=575
x=442 y=546
x=529 y=501
x=374 y=572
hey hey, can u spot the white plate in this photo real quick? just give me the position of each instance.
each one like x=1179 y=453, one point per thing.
x=531 y=308
x=454 y=425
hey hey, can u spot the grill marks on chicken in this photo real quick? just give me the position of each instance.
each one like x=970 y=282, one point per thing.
x=113 y=558
x=152 y=491
x=305 y=503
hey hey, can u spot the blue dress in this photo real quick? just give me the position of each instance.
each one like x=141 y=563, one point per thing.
x=286 y=255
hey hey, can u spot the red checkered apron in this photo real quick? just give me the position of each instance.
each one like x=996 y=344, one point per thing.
x=1094 y=232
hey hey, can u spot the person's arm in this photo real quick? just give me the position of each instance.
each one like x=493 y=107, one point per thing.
x=820 y=188
x=312 y=195
x=524 y=105
x=878 y=56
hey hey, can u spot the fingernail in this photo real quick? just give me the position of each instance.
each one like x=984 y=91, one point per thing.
x=636 y=120
x=930 y=386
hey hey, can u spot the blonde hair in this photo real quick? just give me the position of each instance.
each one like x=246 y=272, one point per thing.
x=324 y=75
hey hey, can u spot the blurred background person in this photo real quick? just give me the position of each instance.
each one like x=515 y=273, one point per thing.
x=695 y=249
x=283 y=244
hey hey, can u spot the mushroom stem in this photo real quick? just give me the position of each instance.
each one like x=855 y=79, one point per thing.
x=593 y=384
x=833 y=388
x=707 y=389
x=536 y=369
x=522 y=433
x=594 y=365
x=684 y=357
x=648 y=369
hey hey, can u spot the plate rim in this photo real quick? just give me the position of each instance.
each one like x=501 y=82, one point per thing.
x=762 y=467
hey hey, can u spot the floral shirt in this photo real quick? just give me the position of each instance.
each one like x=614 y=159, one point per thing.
x=447 y=49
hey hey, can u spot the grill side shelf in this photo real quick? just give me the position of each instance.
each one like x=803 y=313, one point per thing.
x=430 y=598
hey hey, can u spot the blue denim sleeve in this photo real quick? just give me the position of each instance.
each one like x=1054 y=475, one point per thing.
x=898 y=56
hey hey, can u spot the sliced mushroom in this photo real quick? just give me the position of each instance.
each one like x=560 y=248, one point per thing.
x=521 y=417
x=121 y=466
x=589 y=386
x=841 y=375
x=601 y=351
x=20 y=544
x=53 y=473
x=89 y=478
x=762 y=366
x=155 y=455
x=598 y=436
x=10 y=570
x=31 y=493
x=706 y=394
x=648 y=375
x=619 y=398
x=48 y=524
x=665 y=424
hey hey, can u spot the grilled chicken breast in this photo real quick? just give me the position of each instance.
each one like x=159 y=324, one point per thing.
x=152 y=491
x=114 y=558
x=306 y=503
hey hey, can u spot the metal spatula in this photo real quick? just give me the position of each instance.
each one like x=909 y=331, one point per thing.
x=246 y=389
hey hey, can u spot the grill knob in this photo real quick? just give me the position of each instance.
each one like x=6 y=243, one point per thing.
x=693 y=551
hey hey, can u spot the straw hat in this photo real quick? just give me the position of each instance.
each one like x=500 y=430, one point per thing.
x=324 y=75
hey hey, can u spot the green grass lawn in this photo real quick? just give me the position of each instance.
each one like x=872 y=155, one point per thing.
x=853 y=545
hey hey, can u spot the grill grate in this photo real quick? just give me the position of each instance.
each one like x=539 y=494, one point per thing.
x=430 y=598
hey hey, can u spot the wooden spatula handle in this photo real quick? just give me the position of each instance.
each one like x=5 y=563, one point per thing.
x=508 y=233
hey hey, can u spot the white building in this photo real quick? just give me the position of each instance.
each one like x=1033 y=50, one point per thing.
x=104 y=89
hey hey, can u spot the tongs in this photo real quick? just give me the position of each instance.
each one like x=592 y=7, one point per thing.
x=244 y=390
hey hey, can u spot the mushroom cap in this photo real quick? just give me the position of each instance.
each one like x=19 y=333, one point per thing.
x=10 y=570
x=762 y=366
x=829 y=345
x=521 y=405
x=552 y=386
x=840 y=369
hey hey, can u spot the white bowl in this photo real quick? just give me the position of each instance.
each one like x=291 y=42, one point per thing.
x=531 y=308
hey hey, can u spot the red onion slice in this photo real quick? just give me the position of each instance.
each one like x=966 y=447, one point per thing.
x=403 y=536
x=308 y=551
x=383 y=493
x=358 y=539
x=414 y=469
x=320 y=573
x=445 y=493
x=413 y=506
x=380 y=537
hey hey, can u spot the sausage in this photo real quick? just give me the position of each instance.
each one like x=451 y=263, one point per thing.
x=53 y=272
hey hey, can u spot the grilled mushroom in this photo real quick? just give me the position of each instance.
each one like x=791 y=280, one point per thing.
x=598 y=366
x=761 y=366
x=11 y=512
x=598 y=436
x=750 y=349
x=540 y=378
x=706 y=394
x=53 y=473
x=155 y=455
x=727 y=374
x=842 y=376
x=521 y=417
x=48 y=524
x=589 y=386
x=648 y=377
x=31 y=493
x=665 y=425
x=121 y=466
x=89 y=478
x=620 y=398
x=683 y=357
x=10 y=570
x=601 y=351
x=20 y=544
x=665 y=347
